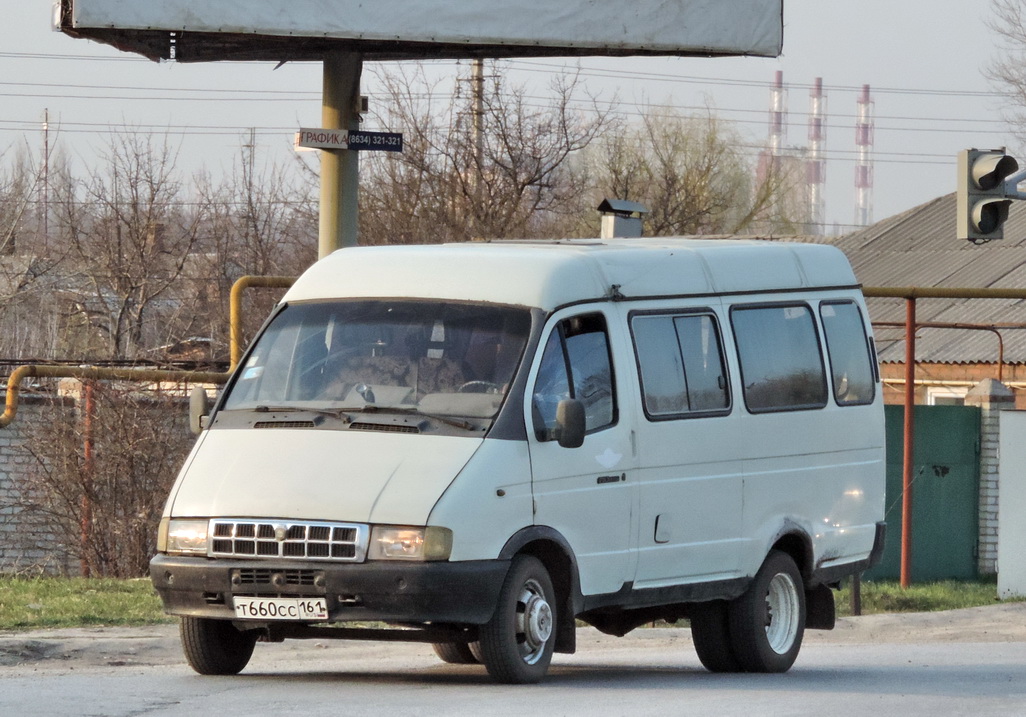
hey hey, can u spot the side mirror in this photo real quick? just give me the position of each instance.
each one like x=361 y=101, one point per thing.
x=570 y=423
x=199 y=407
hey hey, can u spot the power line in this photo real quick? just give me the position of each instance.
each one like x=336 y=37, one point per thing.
x=549 y=68
x=720 y=81
x=130 y=88
x=251 y=95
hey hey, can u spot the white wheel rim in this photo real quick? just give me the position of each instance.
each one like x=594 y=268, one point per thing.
x=782 y=613
x=533 y=622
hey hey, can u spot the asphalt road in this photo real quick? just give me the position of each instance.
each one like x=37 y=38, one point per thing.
x=962 y=662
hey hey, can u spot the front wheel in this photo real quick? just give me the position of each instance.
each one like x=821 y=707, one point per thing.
x=216 y=647
x=455 y=653
x=516 y=644
x=767 y=622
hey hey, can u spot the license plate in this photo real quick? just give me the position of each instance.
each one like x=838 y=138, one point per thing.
x=253 y=608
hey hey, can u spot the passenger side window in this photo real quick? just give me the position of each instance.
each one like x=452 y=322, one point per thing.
x=780 y=359
x=681 y=363
x=575 y=364
x=851 y=367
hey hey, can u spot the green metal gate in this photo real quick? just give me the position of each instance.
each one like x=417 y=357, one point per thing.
x=945 y=494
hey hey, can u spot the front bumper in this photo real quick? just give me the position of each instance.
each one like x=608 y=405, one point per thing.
x=460 y=593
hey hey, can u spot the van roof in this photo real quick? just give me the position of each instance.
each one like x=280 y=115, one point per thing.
x=550 y=274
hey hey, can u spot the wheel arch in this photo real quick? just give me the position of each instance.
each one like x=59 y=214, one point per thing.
x=798 y=545
x=552 y=549
x=821 y=612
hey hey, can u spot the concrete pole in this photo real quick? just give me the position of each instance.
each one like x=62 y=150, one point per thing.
x=340 y=168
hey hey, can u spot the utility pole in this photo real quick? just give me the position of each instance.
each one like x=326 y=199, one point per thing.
x=340 y=168
x=46 y=178
x=477 y=87
x=251 y=152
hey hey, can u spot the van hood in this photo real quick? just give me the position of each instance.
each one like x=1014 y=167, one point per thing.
x=319 y=475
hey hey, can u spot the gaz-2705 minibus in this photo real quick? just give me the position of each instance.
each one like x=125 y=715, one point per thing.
x=475 y=445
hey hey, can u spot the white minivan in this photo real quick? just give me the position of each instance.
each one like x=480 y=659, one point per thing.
x=474 y=445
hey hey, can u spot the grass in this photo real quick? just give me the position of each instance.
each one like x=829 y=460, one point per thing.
x=888 y=596
x=33 y=603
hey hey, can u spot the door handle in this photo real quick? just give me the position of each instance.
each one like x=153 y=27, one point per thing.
x=611 y=479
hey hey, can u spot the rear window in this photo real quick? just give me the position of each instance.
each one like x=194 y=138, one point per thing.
x=851 y=367
x=780 y=359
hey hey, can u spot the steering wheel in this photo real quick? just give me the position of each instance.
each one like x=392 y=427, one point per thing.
x=479 y=387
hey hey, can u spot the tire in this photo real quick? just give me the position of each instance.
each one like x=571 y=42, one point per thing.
x=516 y=644
x=767 y=622
x=216 y=647
x=710 y=632
x=455 y=653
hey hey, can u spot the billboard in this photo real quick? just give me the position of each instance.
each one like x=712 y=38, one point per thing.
x=202 y=30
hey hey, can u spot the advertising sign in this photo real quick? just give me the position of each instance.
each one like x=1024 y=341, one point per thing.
x=419 y=28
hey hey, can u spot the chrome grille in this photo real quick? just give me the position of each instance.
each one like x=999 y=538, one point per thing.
x=293 y=539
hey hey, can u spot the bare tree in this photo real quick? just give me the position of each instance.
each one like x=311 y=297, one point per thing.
x=509 y=180
x=18 y=182
x=694 y=176
x=260 y=219
x=130 y=234
x=1007 y=71
x=100 y=482
x=29 y=267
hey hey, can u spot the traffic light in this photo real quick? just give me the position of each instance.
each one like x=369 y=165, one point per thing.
x=983 y=198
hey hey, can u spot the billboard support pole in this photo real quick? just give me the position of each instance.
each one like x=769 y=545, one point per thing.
x=340 y=168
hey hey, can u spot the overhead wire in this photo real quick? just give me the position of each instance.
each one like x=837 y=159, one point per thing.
x=734 y=115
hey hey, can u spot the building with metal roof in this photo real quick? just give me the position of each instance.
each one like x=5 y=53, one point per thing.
x=959 y=342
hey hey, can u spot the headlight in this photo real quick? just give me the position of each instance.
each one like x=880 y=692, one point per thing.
x=395 y=542
x=183 y=537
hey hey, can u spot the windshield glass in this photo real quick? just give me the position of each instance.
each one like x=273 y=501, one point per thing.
x=443 y=358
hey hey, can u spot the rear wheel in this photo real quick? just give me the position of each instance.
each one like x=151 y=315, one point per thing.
x=516 y=644
x=216 y=647
x=767 y=622
x=455 y=653
x=710 y=633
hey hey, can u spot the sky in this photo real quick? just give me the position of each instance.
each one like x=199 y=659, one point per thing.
x=923 y=61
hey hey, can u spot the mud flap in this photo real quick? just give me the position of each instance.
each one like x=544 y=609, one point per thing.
x=820 y=613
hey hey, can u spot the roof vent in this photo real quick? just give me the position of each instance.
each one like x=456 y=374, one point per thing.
x=621 y=218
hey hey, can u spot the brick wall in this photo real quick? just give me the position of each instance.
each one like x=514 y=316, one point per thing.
x=988 y=510
x=25 y=545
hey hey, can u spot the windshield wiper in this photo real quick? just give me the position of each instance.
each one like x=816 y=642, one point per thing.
x=410 y=410
x=341 y=413
x=337 y=414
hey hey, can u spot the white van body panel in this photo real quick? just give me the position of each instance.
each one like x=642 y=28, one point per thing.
x=497 y=274
x=548 y=275
x=489 y=501
x=691 y=527
x=793 y=460
x=321 y=475
x=589 y=494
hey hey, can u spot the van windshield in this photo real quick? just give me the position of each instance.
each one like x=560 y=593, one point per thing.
x=435 y=357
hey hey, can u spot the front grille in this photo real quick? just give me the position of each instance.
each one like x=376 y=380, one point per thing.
x=296 y=540
x=265 y=576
